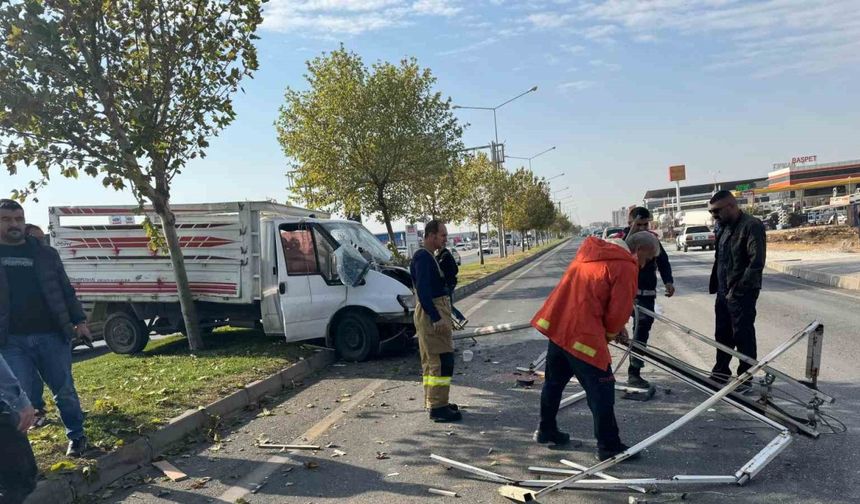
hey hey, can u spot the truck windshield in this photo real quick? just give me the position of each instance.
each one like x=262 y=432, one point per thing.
x=356 y=235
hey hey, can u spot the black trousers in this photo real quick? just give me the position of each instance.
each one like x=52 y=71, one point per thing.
x=735 y=328
x=599 y=386
x=643 y=327
x=18 y=470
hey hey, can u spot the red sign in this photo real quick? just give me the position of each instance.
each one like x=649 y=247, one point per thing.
x=677 y=173
x=804 y=159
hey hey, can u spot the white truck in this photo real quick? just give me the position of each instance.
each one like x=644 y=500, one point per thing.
x=286 y=270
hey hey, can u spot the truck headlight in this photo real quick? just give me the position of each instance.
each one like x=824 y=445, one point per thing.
x=407 y=301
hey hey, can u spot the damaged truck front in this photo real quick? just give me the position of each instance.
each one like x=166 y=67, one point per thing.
x=289 y=271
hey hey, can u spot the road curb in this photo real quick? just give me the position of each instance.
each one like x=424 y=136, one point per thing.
x=468 y=290
x=849 y=282
x=67 y=487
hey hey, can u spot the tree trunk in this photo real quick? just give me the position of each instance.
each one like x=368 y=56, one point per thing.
x=380 y=199
x=186 y=301
x=480 y=244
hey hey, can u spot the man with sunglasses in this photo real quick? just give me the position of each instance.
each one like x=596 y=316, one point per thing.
x=736 y=280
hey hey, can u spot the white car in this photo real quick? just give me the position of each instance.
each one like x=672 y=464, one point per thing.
x=695 y=236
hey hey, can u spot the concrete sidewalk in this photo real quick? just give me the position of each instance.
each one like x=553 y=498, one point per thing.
x=836 y=269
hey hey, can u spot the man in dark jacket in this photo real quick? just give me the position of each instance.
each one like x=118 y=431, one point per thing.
x=639 y=220
x=450 y=269
x=736 y=280
x=39 y=317
x=18 y=469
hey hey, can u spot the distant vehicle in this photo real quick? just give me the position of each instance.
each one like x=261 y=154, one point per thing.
x=487 y=249
x=695 y=236
x=463 y=246
x=608 y=232
x=402 y=251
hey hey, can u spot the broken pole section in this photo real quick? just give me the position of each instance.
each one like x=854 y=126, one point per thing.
x=519 y=495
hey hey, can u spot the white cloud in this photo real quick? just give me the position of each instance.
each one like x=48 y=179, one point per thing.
x=436 y=7
x=548 y=19
x=773 y=36
x=575 y=86
x=471 y=47
x=601 y=32
x=350 y=17
x=573 y=49
x=598 y=63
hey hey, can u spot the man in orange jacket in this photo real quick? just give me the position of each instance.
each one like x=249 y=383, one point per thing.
x=588 y=308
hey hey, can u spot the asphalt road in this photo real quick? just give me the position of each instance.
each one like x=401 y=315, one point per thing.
x=372 y=412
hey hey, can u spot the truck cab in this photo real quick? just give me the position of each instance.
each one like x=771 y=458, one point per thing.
x=333 y=278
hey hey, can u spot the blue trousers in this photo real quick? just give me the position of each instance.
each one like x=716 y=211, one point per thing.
x=47 y=357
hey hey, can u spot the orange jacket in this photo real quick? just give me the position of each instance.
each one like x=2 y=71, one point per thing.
x=594 y=297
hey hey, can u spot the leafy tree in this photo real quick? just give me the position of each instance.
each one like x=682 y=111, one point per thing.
x=477 y=176
x=127 y=91
x=362 y=139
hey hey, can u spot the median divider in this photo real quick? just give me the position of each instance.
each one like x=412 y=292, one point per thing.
x=471 y=288
x=66 y=488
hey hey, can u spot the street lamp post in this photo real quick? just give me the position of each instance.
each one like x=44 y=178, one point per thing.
x=529 y=159
x=502 y=245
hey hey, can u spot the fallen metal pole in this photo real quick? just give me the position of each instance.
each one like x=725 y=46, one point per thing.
x=493 y=329
x=519 y=495
x=498 y=478
x=600 y=475
x=731 y=351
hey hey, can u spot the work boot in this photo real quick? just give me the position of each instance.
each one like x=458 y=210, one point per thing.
x=555 y=437
x=445 y=414
x=635 y=380
x=603 y=454
x=77 y=447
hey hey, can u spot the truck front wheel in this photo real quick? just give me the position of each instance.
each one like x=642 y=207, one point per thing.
x=124 y=333
x=356 y=337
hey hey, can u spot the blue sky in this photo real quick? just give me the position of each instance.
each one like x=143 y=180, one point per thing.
x=626 y=89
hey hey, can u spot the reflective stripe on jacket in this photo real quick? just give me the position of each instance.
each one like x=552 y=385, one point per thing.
x=594 y=297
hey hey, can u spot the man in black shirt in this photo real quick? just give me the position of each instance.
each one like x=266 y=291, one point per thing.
x=736 y=280
x=39 y=317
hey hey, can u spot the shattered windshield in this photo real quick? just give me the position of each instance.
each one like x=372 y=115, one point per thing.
x=356 y=235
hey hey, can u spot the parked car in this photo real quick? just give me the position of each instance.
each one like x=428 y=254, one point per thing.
x=463 y=246
x=608 y=232
x=695 y=236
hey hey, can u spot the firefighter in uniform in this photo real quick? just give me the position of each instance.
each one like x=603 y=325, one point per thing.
x=434 y=325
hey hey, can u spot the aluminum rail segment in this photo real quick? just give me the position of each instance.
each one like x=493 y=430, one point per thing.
x=519 y=495
x=493 y=329
x=749 y=360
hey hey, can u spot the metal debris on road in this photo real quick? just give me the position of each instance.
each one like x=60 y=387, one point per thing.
x=275 y=446
x=446 y=493
x=170 y=470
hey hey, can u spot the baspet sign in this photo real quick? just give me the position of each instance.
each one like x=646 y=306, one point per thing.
x=804 y=159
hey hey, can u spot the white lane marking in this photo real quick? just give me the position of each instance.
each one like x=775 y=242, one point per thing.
x=275 y=462
x=507 y=284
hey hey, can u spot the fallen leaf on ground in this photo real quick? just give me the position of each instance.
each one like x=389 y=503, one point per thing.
x=382 y=456
x=338 y=453
x=266 y=412
x=200 y=483
x=311 y=465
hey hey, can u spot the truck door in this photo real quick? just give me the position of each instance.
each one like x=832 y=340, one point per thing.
x=309 y=296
